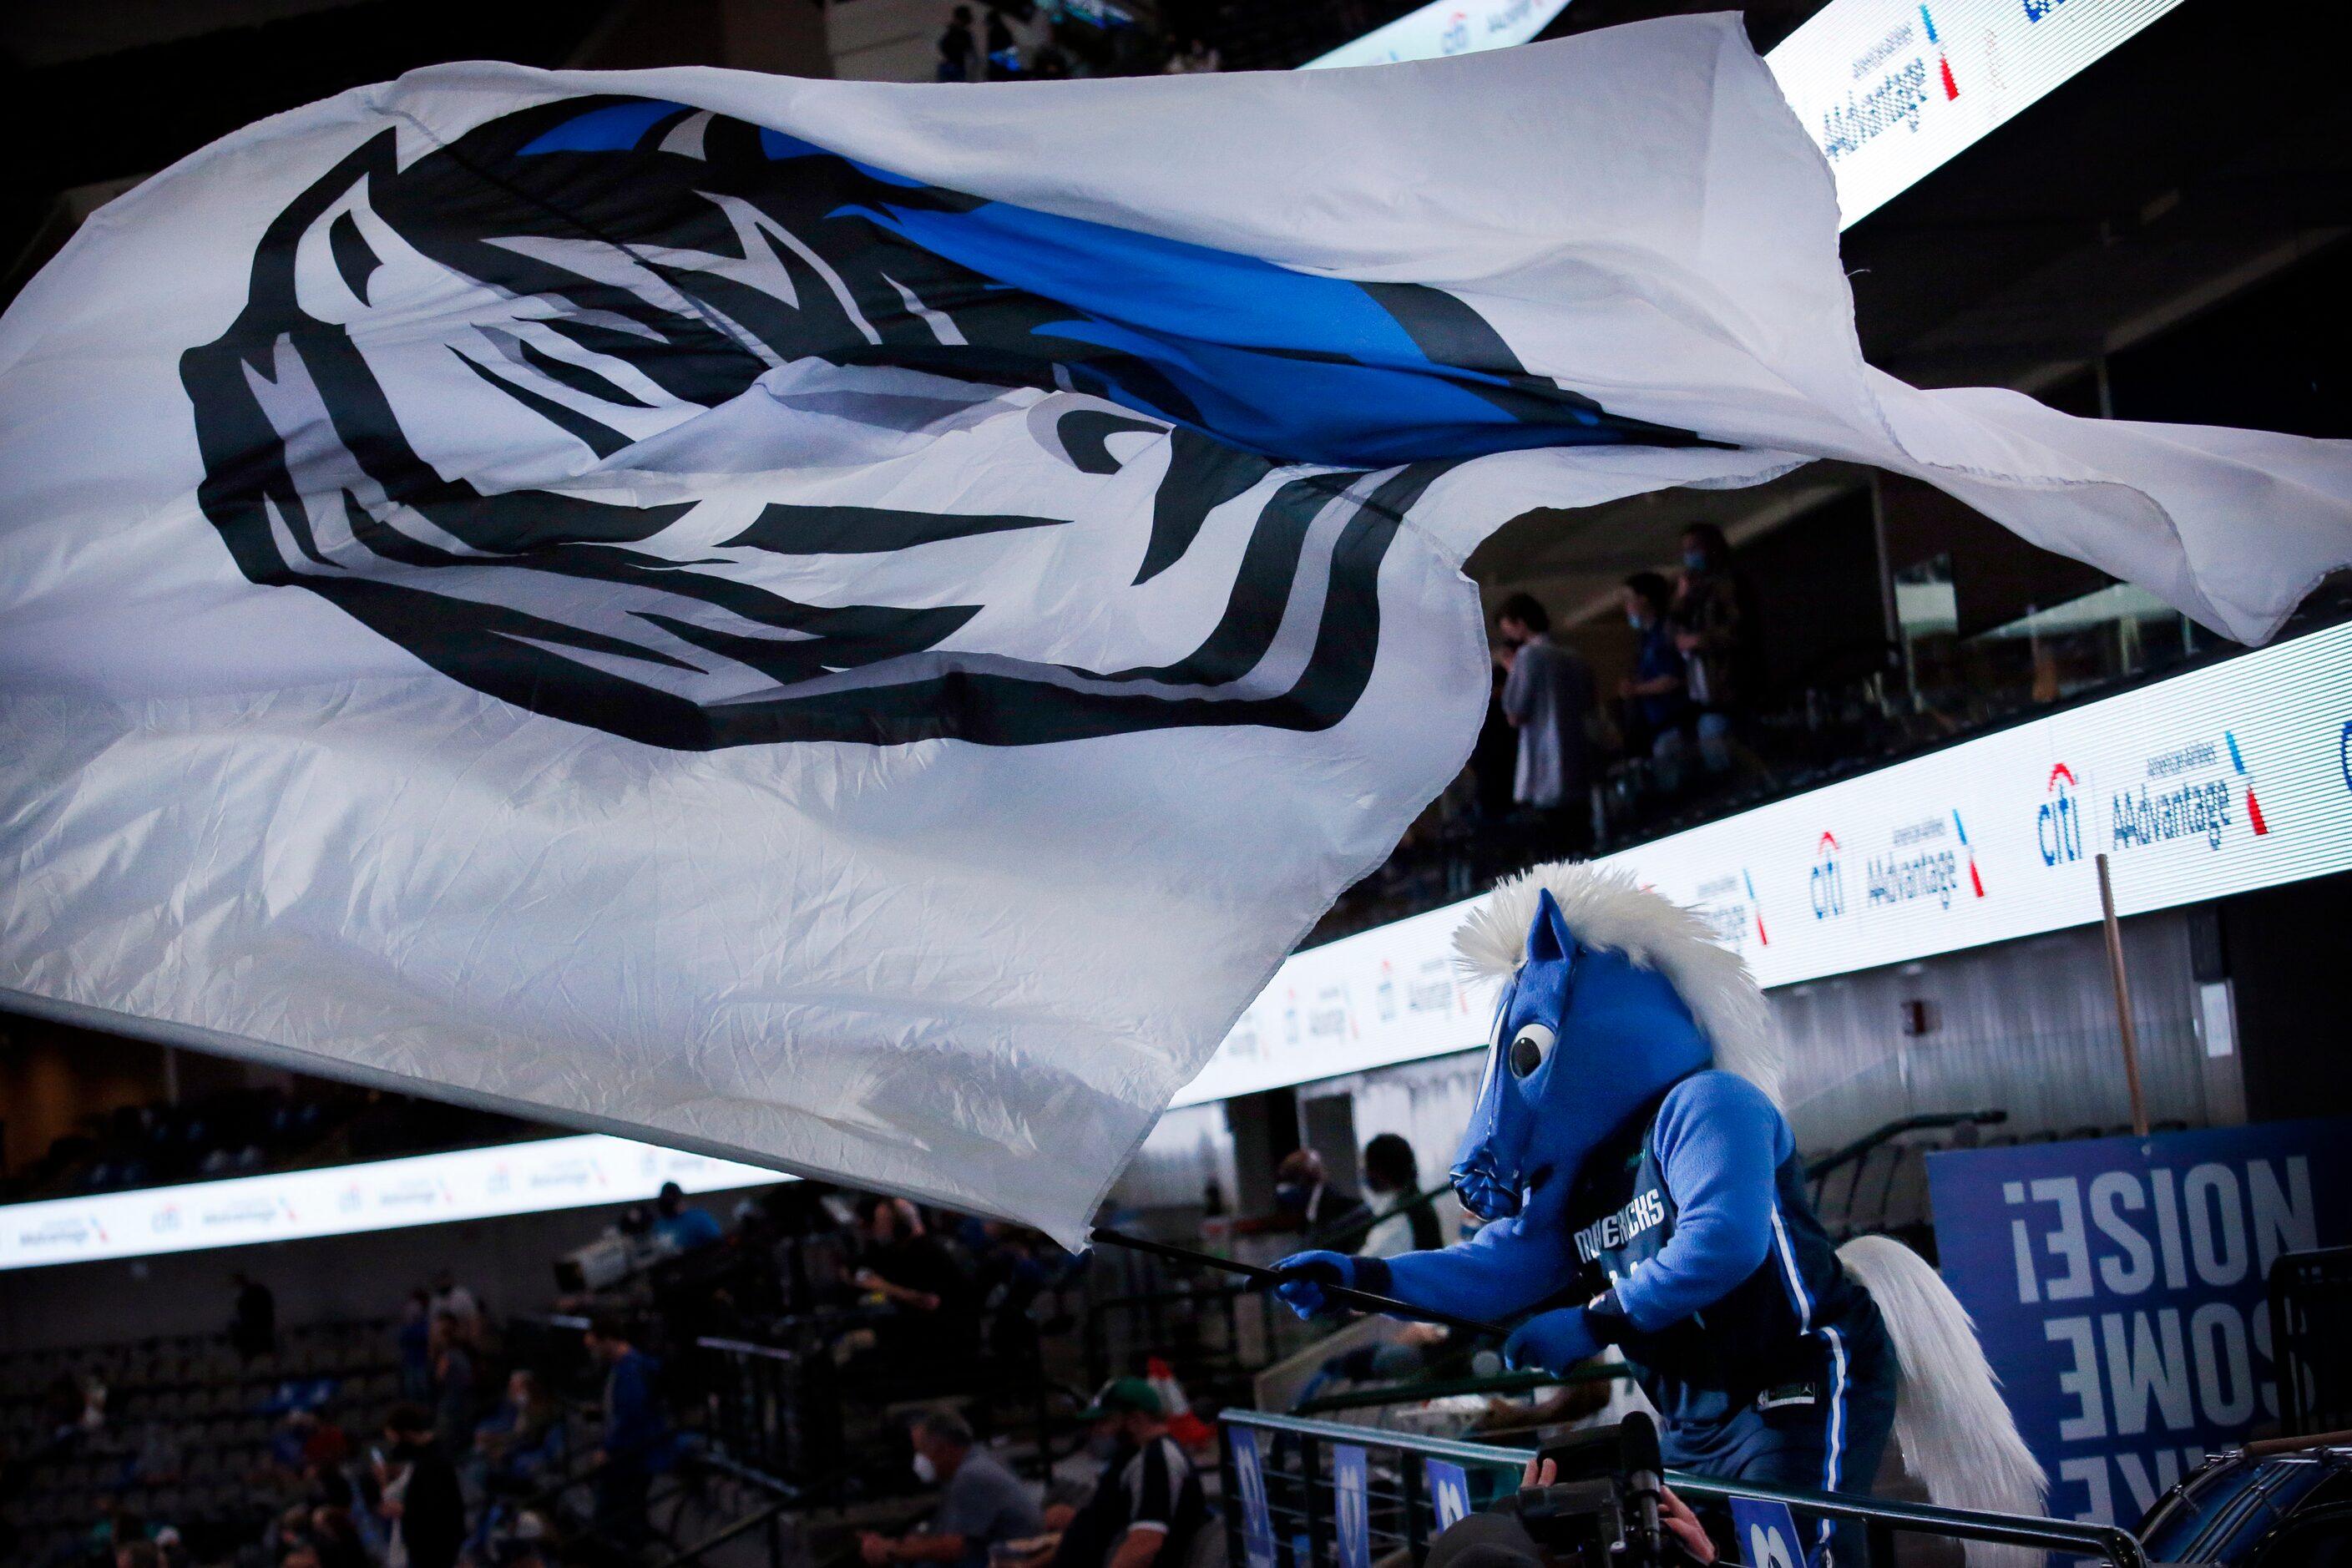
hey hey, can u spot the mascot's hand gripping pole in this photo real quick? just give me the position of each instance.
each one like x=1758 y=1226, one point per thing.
x=1339 y=1294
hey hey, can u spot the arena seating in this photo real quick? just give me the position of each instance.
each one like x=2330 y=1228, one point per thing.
x=187 y=1429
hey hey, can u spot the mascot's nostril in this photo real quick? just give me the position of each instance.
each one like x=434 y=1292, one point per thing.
x=1535 y=1182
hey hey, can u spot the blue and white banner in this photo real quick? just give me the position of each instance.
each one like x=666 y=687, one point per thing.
x=1766 y=1533
x=851 y=625
x=2118 y=1285
x=1352 y=1511
x=1449 y=1492
x=1257 y=1515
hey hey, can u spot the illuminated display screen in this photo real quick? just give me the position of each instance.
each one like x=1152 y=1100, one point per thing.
x=2225 y=779
x=1889 y=89
x=1892 y=89
x=344 y=1200
x=1446 y=28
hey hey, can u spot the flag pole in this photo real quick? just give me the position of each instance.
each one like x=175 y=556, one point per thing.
x=2123 y=998
x=1365 y=1299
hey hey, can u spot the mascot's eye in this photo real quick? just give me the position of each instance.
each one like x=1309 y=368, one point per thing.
x=1529 y=1049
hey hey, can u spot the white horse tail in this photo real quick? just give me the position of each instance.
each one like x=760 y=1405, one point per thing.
x=1957 y=1434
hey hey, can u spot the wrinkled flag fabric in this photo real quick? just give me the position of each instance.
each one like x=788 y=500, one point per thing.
x=852 y=627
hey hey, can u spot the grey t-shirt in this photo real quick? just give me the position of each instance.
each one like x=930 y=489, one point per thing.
x=1550 y=694
x=985 y=1504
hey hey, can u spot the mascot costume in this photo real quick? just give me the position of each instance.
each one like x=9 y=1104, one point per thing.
x=1643 y=1190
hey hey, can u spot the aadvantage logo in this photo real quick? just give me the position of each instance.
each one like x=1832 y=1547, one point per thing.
x=2190 y=791
x=1943 y=59
x=2058 y=825
x=1976 y=881
x=1729 y=907
x=1828 y=880
x=1924 y=861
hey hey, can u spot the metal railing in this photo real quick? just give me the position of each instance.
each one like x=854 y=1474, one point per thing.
x=1301 y=1501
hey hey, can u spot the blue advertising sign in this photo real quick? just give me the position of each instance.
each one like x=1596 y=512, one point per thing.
x=1351 y=1494
x=1766 y=1534
x=1257 y=1520
x=2117 y=1286
x=1449 y=1490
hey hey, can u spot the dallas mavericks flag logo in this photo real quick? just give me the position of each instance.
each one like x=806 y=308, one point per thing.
x=852 y=627
x=635 y=284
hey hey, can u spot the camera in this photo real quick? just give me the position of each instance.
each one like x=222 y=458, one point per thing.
x=1602 y=1511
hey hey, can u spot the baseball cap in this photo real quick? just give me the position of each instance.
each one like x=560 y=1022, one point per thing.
x=1123 y=1396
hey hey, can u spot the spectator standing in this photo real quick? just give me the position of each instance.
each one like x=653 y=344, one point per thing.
x=1004 y=54
x=914 y=1269
x=1392 y=1179
x=456 y=1301
x=982 y=1507
x=1712 y=633
x=415 y=1341
x=421 y=1501
x=957 y=49
x=1656 y=696
x=1548 y=698
x=253 y=1326
x=678 y=1225
x=637 y=1435
x=453 y=1384
x=1146 y=1505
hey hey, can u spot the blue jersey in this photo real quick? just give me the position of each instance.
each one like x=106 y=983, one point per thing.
x=1780 y=1333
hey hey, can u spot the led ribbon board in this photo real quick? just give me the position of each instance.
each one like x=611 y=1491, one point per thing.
x=1892 y=89
x=1889 y=89
x=2228 y=778
x=1446 y=28
x=345 y=1200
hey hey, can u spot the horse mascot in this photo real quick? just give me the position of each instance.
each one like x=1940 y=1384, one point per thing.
x=1642 y=1190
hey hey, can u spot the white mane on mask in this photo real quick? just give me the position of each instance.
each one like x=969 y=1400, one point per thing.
x=1606 y=909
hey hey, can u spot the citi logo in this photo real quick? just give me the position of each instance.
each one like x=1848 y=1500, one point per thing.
x=2058 y=825
x=1829 y=879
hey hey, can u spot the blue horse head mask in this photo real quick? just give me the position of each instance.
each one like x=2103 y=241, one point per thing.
x=1584 y=1039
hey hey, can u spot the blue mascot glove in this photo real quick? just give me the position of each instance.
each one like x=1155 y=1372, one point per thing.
x=1551 y=1341
x=1304 y=1296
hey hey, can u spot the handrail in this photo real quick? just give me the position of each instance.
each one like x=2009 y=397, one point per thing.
x=1446 y=1388
x=1871 y=1140
x=2118 y=1546
x=742 y=1526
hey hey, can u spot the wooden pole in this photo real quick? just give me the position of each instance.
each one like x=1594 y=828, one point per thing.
x=2123 y=999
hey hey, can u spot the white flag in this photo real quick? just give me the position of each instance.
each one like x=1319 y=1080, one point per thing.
x=852 y=627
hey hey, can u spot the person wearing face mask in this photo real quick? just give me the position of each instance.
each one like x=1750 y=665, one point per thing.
x=1656 y=694
x=1712 y=632
x=1303 y=1199
x=982 y=1506
x=1392 y=1179
x=1147 y=1507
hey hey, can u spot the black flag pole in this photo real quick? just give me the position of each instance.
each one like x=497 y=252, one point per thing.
x=1343 y=1295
